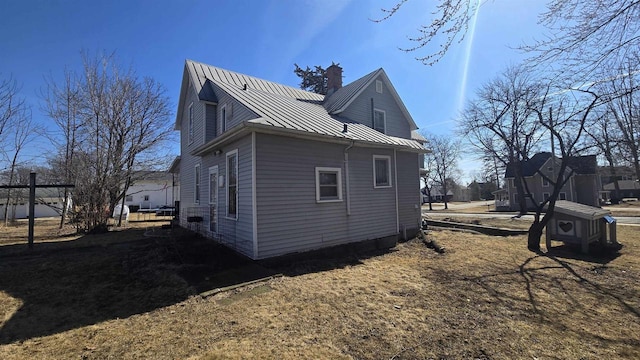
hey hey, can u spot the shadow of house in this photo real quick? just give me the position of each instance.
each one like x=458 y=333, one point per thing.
x=71 y=284
x=60 y=287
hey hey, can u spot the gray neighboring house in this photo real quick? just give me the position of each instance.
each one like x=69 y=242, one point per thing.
x=583 y=186
x=269 y=169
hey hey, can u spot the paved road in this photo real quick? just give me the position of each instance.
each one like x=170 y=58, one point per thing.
x=622 y=220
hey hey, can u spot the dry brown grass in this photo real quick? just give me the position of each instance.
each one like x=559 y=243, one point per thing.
x=486 y=298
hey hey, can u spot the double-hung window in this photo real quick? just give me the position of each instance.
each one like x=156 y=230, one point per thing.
x=232 y=184
x=196 y=190
x=190 y=123
x=381 y=171
x=223 y=118
x=379 y=120
x=328 y=184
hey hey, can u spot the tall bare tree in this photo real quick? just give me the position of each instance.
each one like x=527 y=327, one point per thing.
x=112 y=122
x=564 y=116
x=445 y=151
x=500 y=122
x=62 y=103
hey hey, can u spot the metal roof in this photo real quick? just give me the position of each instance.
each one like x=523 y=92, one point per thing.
x=280 y=107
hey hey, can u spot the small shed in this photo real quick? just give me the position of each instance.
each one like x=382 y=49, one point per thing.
x=574 y=223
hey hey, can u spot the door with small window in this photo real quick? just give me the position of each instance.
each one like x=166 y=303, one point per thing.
x=213 y=199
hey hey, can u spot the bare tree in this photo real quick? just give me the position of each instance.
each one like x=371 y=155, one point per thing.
x=12 y=107
x=20 y=136
x=429 y=175
x=564 y=116
x=451 y=20
x=582 y=35
x=62 y=103
x=622 y=93
x=112 y=122
x=445 y=151
x=501 y=125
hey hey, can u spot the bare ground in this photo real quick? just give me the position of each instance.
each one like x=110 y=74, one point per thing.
x=485 y=298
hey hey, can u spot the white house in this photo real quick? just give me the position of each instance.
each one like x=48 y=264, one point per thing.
x=49 y=203
x=151 y=190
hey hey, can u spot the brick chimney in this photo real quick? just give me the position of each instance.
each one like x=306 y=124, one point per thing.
x=334 y=78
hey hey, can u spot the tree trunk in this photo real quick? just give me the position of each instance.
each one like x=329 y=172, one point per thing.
x=535 y=233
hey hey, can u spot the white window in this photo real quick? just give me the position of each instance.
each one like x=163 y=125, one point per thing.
x=232 y=184
x=562 y=196
x=379 y=120
x=213 y=199
x=126 y=198
x=328 y=184
x=190 y=123
x=196 y=182
x=379 y=86
x=223 y=118
x=381 y=171
x=146 y=198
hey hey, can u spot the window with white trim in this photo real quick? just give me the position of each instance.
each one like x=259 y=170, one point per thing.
x=145 y=198
x=379 y=86
x=379 y=120
x=196 y=182
x=190 y=123
x=232 y=184
x=545 y=182
x=126 y=198
x=328 y=184
x=223 y=118
x=381 y=171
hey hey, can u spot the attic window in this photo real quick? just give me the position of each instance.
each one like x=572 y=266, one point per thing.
x=379 y=86
x=379 y=120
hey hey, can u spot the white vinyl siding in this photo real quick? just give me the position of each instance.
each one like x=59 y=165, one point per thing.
x=328 y=184
x=381 y=171
x=232 y=184
x=379 y=120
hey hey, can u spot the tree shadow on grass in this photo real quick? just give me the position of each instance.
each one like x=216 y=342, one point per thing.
x=588 y=300
x=71 y=284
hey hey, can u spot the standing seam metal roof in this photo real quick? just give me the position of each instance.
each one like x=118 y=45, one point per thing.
x=288 y=108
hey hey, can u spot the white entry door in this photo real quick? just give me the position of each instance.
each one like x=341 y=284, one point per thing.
x=213 y=199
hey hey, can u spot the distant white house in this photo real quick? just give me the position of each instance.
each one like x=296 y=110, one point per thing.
x=151 y=190
x=49 y=203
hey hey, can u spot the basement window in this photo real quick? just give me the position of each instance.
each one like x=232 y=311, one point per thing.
x=328 y=184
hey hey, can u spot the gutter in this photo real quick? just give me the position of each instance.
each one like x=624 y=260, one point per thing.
x=346 y=175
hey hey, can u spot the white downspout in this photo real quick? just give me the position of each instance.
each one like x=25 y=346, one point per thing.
x=346 y=177
x=395 y=170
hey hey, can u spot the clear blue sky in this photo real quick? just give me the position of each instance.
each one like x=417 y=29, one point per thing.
x=263 y=39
